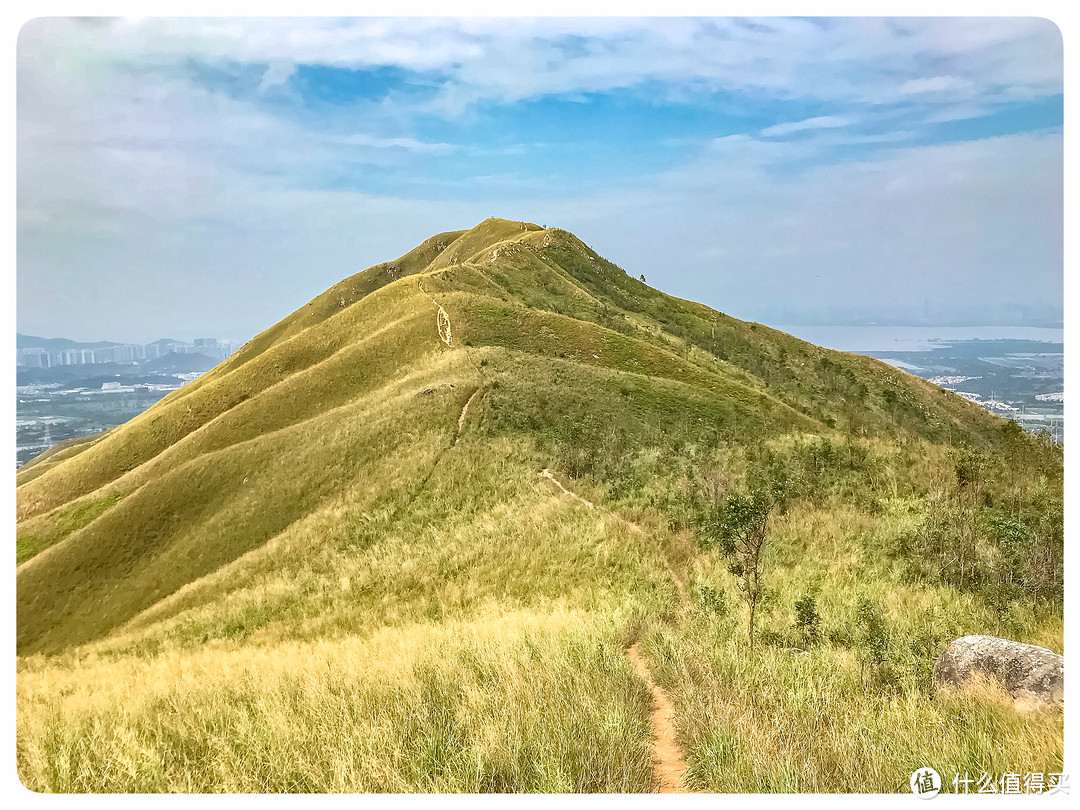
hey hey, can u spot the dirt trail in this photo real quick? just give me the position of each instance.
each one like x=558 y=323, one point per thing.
x=465 y=410
x=669 y=767
x=546 y=473
x=680 y=586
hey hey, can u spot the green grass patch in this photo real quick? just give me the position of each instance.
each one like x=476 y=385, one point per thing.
x=61 y=524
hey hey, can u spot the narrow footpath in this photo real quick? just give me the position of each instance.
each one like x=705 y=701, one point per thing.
x=465 y=410
x=669 y=764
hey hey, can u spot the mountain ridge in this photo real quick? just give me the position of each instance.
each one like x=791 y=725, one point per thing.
x=457 y=524
x=519 y=297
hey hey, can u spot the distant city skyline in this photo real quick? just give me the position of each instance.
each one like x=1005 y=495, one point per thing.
x=213 y=175
x=46 y=353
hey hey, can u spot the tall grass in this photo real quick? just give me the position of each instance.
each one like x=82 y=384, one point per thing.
x=776 y=719
x=295 y=574
x=848 y=703
x=522 y=703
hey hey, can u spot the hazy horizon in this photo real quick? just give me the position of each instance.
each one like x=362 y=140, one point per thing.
x=834 y=336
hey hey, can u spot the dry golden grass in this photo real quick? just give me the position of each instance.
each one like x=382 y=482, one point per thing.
x=510 y=702
x=297 y=574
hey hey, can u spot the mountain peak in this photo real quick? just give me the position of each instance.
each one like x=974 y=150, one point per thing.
x=567 y=354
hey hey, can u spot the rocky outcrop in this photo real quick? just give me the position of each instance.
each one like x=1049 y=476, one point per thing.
x=1031 y=675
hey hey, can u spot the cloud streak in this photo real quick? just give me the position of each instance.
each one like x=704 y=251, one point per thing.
x=502 y=60
x=818 y=122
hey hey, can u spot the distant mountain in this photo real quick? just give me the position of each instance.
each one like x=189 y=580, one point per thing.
x=173 y=362
x=57 y=344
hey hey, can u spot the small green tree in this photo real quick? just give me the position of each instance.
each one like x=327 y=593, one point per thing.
x=807 y=619
x=873 y=639
x=970 y=465
x=742 y=535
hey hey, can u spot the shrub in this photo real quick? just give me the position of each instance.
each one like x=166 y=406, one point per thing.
x=807 y=620
x=771 y=638
x=926 y=644
x=713 y=600
x=874 y=644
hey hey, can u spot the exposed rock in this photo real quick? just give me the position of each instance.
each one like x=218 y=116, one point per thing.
x=443 y=386
x=1032 y=675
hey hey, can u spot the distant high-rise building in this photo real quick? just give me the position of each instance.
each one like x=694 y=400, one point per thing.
x=166 y=346
x=125 y=353
x=33 y=357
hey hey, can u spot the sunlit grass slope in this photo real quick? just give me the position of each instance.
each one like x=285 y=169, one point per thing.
x=313 y=569
x=811 y=715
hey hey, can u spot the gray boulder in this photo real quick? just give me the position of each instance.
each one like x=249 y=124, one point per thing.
x=1031 y=675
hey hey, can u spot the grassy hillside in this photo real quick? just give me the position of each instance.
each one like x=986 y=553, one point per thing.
x=331 y=563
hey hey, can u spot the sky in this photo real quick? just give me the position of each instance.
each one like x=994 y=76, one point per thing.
x=191 y=177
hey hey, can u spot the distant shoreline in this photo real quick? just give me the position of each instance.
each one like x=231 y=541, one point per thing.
x=915 y=338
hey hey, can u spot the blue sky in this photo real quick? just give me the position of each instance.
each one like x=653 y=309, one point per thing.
x=207 y=176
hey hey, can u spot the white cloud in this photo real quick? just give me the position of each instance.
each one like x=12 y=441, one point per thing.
x=933 y=84
x=819 y=122
x=410 y=144
x=139 y=191
x=509 y=59
x=275 y=76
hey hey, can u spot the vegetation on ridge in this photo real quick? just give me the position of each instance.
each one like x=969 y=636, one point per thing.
x=301 y=573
